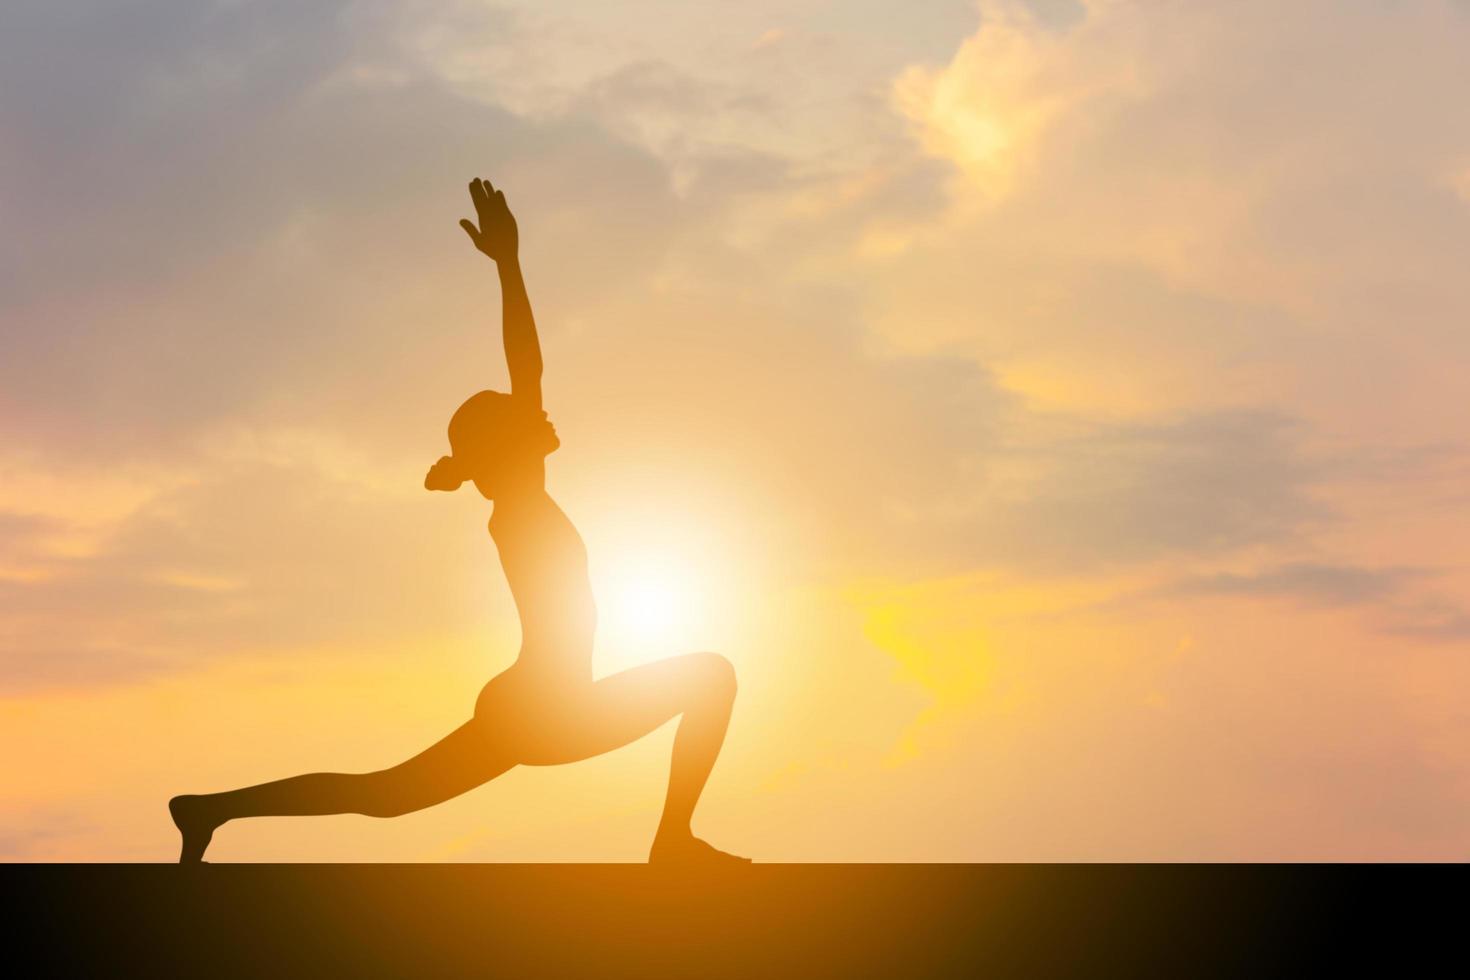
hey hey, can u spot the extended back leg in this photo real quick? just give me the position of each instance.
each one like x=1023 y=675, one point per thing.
x=462 y=760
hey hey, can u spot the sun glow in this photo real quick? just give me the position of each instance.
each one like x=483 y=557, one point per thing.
x=652 y=600
x=666 y=587
x=668 y=577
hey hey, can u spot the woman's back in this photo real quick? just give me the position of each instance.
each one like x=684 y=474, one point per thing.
x=545 y=563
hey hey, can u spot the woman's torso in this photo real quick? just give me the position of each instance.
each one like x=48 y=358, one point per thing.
x=545 y=563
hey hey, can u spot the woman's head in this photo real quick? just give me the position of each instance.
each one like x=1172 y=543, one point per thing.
x=494 y=440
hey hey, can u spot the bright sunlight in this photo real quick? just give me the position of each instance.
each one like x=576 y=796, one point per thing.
x=651 y=600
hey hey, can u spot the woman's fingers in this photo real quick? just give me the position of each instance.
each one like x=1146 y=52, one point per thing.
x=471 y=230
x=488 y=201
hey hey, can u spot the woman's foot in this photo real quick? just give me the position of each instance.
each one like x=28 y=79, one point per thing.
x=689 y=851
x=196 y=826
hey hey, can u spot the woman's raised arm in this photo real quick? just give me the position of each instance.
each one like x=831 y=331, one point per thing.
x=498 y=238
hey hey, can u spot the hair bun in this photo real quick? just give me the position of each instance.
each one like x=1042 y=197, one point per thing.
x=444 y=475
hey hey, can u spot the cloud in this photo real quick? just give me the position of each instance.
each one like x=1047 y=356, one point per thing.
x=1433 y=619
x=1006 y=86
x=1157 y=227
x=1315 y=584
x=1206 y=483
x=20 y=534
x=254 y=556
x=188 y=285
x=169 y=271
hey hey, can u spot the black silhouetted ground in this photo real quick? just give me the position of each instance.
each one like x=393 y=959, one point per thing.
x=767 y=920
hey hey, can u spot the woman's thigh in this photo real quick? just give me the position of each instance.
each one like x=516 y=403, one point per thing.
x=455 y=764
x=568 y=725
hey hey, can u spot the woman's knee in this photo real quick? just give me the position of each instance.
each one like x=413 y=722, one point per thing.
x=717 y=674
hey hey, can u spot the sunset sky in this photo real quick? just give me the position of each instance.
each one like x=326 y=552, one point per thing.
x=1057 y=411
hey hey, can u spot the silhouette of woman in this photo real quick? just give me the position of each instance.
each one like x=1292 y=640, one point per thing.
x=545 y=709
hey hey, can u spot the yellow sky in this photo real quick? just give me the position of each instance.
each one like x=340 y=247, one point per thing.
x=1055 y=411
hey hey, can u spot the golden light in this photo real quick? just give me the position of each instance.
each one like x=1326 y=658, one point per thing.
x=652 y=600
x=650 y=605
x=669 y=576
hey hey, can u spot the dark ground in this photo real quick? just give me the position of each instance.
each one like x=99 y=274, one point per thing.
x=765 y=921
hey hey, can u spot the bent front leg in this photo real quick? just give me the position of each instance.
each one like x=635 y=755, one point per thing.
x=626 y=706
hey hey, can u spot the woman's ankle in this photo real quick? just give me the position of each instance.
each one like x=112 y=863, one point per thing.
x=673 y=833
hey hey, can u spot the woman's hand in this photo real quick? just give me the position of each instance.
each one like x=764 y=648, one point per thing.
x=496 y=236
